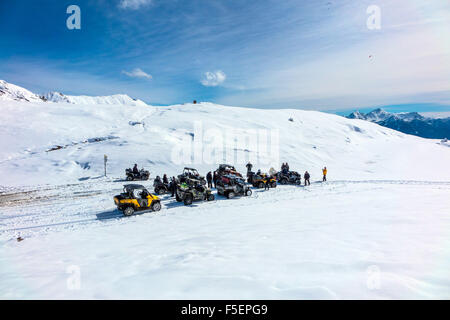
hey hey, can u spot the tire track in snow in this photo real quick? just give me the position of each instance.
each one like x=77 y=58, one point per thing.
x=50 y=211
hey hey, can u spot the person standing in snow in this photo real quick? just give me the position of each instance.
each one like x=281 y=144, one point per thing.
x=173 y=186
x=249 y=167
x=215 y=177
x=165 y=180
x=209 y=179
x=324 y=171
x=267 y=184
x=306 y=177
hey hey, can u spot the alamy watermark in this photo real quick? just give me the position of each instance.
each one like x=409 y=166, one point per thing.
x=373 y=281
x=227 y=145
x=374 y=20
x=74 y=20
x=74 y=278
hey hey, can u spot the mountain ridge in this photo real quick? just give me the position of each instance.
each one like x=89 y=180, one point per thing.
x=12 y=92
x=407 y=122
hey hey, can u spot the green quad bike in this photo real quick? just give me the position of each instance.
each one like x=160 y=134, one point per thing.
x=193 y=190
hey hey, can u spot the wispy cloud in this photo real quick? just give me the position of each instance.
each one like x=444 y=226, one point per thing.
x=213 y=79
x=137 y=73
x=133 y=4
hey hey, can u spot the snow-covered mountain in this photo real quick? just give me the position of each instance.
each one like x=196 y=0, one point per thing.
x=377 y=229
x=10 y=91
x=408 y=122
x=117 y=99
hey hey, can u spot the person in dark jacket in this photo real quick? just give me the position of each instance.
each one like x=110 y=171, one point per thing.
x=209 y=178
x=173 y=186
x=165 y=180
x=215 y=178
x=307 y=176
x=249 y=167
x=135 y=169
x=267 y=184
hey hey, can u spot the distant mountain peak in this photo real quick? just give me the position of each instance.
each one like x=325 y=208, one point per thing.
x=12 y=92
x=407 y=122
x=9 y=91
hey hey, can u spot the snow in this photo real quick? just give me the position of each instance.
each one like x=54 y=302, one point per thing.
x=288 y=243
x=351 y=149
x=377 y=229
x=117 y=99
x=10 y=91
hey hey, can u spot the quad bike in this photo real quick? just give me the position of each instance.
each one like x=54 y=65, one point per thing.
x=136 y=198
x=226 y=169
x=191 y=173
x=231 y=186
x=259 y=180
x=291 y=177
x=193 y=190
x=160 y=187
x=142 y=175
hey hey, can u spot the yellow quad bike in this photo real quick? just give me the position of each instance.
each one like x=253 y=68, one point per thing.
x=136 y=198
x=259 y=181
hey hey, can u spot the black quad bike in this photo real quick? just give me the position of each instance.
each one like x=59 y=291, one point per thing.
x=290 y=177
x=231 y=186
x=141 y=175
x=160 y=187
x=193 y=190
x=191 y=173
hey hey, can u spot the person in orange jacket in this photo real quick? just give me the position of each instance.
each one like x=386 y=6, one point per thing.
x=324 y=170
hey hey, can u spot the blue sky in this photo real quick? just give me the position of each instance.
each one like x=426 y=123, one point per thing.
x=269 y=54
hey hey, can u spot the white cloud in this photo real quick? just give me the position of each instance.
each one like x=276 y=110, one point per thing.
x=133 y=4
x=137 y=73
x=213 y=79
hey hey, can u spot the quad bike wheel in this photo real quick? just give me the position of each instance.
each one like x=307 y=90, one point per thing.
x=284 y=181
x=298 y=182
x=156 y=206
x=129 y=178
x=178 y=198
x=128 y=211
x=231 y=195
x=273 y=184
x=248 y=193
x=211 y=197
x=261 y=185
x=188 y=200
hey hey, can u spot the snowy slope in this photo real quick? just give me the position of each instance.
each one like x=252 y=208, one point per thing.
x=10 y=92
x=377 y=229
x=351 y=149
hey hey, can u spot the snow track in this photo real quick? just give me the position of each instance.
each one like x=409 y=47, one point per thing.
x=54 y=208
